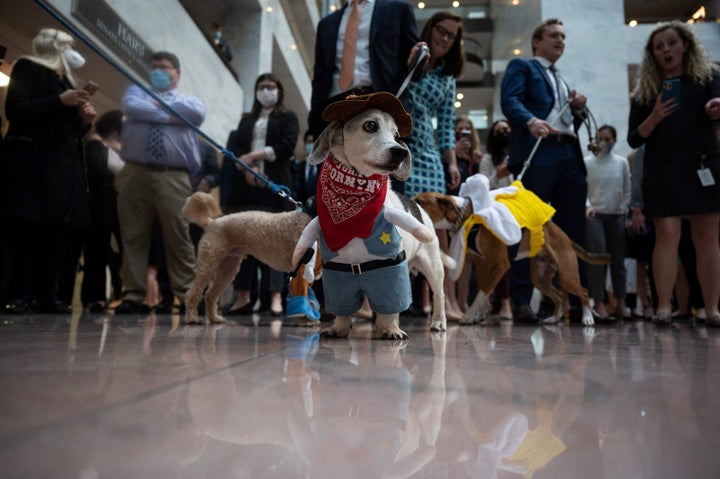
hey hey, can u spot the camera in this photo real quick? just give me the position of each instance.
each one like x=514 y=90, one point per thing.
x=465 y=134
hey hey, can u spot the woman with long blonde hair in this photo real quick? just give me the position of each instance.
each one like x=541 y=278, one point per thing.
x=681 y=176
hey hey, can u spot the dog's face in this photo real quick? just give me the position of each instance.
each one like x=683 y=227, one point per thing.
x=443 y=210
x=369 y=142
x=199 y=206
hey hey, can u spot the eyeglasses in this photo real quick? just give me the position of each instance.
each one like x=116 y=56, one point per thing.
x=444 y=33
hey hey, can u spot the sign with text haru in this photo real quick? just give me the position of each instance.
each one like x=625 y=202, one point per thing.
x=119 y=37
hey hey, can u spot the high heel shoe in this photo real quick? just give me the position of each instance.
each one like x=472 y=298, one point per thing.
x=240 y=311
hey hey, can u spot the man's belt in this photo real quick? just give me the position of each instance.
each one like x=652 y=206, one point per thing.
x=360 y=268
x=156 y=167
x=561 y=138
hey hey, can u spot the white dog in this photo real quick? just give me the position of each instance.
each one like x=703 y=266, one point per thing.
x=362 y=251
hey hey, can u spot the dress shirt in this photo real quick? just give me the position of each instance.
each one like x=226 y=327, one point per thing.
x=180 y=141
x=555 y=112
x=361 y=74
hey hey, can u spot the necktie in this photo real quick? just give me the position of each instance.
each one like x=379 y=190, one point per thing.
x=155 y=136
x=566 y=117
x=347 y=64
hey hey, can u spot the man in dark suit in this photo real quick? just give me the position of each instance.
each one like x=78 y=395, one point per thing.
x=387 y=39
x=532 y=97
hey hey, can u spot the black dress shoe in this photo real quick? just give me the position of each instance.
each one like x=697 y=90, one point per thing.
x=51 y=307
x=96 y=307
x=522 y=313
x=242 y=310
x=414 y=312
x=128 y=306
x=16 y=306
x=163 y=307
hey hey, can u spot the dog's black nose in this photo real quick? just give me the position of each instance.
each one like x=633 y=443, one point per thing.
x=398 y=154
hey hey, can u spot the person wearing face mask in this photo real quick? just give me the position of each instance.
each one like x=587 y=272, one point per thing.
x=221 y=45
x=161 y=153
x=265 y=139
x=494 y=163
x=609 y=188
x=43 y=190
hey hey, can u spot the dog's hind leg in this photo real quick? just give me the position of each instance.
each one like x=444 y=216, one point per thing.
x=227 y=270
x=490 y=265
x=340 y=328
x=388 y=326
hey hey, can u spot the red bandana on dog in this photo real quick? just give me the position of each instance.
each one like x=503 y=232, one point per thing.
x=349 y=202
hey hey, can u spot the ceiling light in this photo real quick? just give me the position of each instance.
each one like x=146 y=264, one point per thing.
x=421 y=5
x=633 y=23
x=516 y=51
x=455 y=4
x=516 y=2
x=460 y=96
x=458 y=104
x=268 y=9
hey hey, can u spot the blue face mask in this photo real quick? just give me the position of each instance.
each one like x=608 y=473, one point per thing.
x=309 y=148
x=160 y=79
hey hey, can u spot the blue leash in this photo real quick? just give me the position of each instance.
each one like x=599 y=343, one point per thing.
x=280 y=190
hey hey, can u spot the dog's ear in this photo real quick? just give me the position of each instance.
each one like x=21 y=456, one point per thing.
x=324 y=142
x=403 y=171
x=449 y=208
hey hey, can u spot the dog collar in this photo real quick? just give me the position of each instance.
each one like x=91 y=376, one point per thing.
x=463 y=214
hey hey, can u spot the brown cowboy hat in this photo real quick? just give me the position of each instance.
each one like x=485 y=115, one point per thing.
x=344 y=110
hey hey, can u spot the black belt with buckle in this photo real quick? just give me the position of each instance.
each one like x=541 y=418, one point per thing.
x=360 y=268
x=156 y=167
x=561 y=138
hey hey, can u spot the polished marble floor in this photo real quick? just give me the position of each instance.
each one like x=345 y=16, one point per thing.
x=97 y=396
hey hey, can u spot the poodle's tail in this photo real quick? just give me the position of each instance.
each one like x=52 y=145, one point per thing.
x=201 y=208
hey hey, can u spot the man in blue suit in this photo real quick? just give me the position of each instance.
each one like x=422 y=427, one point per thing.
x=532 y=97
x=387 y=39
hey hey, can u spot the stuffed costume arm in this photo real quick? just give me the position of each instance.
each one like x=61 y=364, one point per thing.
x=409 y=223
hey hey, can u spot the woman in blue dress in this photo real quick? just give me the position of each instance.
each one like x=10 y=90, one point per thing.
x=434 y=97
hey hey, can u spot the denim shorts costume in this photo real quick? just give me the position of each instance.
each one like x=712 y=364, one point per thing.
x=387 y=290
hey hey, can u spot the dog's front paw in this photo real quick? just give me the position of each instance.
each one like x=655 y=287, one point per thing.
x=339 y=329
x=550 y=320
x=438 y=326
x=193 y=318
x=216 y=319
x=392 y=333
x=468 y=318
x=333 y=332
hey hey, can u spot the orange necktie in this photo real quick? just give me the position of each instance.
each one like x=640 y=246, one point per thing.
x=347 y=64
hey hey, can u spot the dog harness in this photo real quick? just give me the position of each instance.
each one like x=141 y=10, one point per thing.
x=348 y=202
x=504 y=212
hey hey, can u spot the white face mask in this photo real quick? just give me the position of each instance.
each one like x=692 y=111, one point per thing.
x=606 y=147
x=266 y=97
x=74 y=59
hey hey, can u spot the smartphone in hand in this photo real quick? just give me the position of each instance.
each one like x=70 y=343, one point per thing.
x=91 y=87
x=671 y=89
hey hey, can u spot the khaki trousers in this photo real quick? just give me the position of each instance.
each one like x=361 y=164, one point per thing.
x=142 y=195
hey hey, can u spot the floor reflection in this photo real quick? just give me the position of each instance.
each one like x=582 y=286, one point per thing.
x=100 y=397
